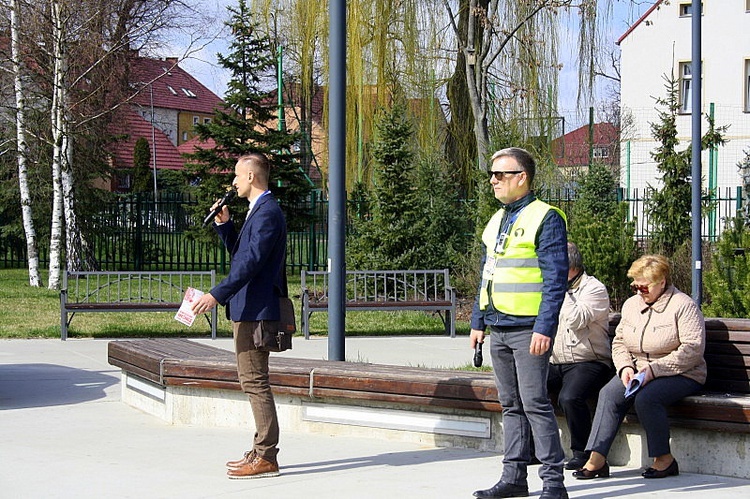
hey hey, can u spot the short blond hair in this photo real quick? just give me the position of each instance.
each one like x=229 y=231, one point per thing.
x=653 y=268
x=258 y=163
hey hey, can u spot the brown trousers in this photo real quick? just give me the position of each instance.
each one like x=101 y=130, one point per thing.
x=252 y=369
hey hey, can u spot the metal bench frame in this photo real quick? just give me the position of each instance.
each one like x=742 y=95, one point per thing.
x=105 y=291
x=383 y=290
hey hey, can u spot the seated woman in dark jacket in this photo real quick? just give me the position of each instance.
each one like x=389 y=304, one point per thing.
x=661 y=339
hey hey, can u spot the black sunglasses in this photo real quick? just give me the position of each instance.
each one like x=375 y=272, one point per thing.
x=636 y=288
x=499 y=175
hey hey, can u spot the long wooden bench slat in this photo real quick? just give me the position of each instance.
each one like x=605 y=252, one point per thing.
x=439 y=305
x=727 y=324
x=130 y=306
x=409 y=399
x=724 y=403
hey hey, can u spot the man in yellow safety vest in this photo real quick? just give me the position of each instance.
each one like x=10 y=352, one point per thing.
x=524 y=280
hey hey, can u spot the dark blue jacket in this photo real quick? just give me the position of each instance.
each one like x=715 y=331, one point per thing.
x=552 y=251
x=252 y=288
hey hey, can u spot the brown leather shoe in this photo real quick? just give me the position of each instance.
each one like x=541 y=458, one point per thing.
x=247 y=458
x=257 y=468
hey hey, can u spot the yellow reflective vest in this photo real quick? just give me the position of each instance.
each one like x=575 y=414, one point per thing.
x=511 y=272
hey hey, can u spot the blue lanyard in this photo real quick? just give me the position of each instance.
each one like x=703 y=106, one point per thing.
x=502 y=236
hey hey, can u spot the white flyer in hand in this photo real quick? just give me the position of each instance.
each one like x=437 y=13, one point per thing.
x=185 y=313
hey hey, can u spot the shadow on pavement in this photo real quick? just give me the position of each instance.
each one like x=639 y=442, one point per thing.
x=44 y=385
x=408 y=458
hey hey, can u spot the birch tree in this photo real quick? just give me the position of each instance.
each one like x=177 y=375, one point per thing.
x=32 y=251
x=90 y=45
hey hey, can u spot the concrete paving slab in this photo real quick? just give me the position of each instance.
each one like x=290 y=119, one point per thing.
x=65 y=433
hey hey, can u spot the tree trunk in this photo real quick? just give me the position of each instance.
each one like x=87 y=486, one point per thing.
x=460 y=150
x=22 y=147
x=58 y=138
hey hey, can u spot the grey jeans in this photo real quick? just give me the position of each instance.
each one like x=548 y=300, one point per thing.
x=521 y=380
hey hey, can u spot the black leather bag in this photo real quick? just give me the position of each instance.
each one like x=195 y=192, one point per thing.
x=278 y=337
x=287 y=324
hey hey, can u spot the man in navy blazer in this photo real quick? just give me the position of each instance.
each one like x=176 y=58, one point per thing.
x=251 y=294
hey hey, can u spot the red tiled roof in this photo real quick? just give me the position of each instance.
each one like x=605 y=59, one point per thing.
x=132 y=126
x=639 y=21
x=195 y=143
x=173 y=87
x=572 y=149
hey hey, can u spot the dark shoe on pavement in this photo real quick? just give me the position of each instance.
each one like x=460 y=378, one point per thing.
x=554 y=493
x=257 y=468
x=672 y=470
x=587 y=474
x=577 y=461
x=503 y=489
x=247 y=458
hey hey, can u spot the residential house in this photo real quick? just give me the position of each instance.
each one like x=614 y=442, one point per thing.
x=659 y=45
x=164 y=112
x=576 y=150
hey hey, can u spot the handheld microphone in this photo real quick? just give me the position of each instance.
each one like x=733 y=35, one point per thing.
x=478 y=355
x=228 y=197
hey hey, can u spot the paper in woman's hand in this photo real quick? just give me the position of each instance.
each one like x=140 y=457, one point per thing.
x=635 y=384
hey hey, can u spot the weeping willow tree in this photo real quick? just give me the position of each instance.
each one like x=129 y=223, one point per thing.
x=392 y=54
x=509 y=50
x=298 y=30
x=496 y=62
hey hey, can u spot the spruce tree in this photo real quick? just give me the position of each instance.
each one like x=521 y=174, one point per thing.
x=600 y=228
x=416 y=220
x=388 y=239
x=141 y=166
x=248 y=124
x=670 y=207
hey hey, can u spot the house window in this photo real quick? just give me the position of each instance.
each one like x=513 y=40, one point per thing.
x=184 y=136
x=188 y=92
x=747 y=84
x=174 y=92
x=601 y=152
x=196 y=120
x=686 y=87
x=206 y=121
x=686 y=9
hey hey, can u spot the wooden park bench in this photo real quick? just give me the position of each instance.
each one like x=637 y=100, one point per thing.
x=723 y=404
x=720 y=413
x=383 y=290
x=104 y=291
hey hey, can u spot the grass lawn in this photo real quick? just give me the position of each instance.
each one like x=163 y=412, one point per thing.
x=35 y=313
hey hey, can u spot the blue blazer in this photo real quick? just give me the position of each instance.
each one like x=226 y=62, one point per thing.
x=251 y=290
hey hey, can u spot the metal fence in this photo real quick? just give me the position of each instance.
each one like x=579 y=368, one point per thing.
x=136 y=233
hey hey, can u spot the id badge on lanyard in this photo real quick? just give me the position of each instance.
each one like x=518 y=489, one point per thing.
x=489 y=268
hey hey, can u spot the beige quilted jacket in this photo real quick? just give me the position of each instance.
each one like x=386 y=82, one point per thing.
x=669 y=335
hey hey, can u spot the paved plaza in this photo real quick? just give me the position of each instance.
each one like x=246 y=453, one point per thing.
x=65 y=433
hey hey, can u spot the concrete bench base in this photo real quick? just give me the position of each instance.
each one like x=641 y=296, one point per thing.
x=699 y=451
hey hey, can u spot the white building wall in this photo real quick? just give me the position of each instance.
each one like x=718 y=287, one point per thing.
x=655 y=48
x=165 y=120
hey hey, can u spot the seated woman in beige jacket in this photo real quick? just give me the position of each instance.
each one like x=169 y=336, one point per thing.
x=660 y=342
